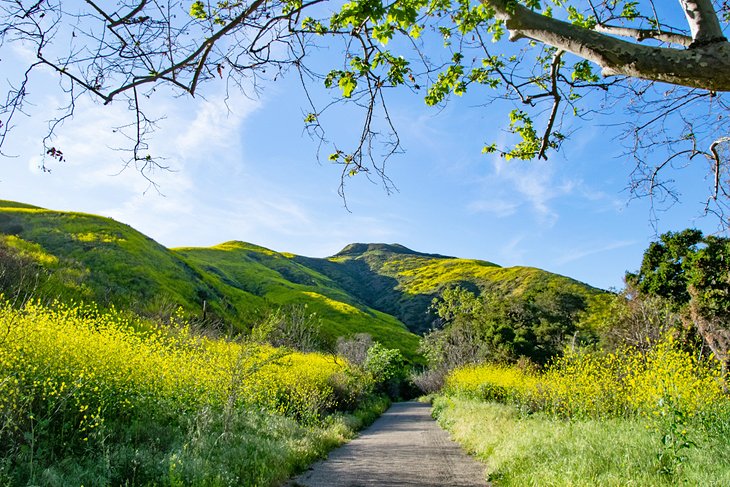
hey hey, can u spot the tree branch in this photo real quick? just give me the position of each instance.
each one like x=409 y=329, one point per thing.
x=554 y=69
x=703 y=22
x=704 y=66
x=717 y=163
x=643 y=34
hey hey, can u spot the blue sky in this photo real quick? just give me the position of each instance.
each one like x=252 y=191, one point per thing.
x=251 y=174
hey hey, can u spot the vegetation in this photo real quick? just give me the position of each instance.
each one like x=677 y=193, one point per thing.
x=641 y=382
x=240 y=365
x=538 y=449
x=404 y=283
x=382 y=290
x=691 y=272
x=225 y=289
x=104 y=398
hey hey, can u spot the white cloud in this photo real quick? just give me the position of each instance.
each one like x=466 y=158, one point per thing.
x=533 y=181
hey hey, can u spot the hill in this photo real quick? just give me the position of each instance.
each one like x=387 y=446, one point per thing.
x=381 y=289
x=403 y=282
x=92 y=258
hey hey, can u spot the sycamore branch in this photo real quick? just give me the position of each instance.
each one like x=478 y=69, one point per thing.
x=705 y=65
x=554 y=69
x=643 y=34
x=703 y=21
x=717 y=162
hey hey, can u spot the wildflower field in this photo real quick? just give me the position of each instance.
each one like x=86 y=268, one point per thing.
x=591 y=418
x=104 y=398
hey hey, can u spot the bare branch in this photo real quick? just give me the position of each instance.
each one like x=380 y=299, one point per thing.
x=554 y=68
x=717 y=163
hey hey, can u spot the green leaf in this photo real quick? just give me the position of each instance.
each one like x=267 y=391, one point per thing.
x=347 y=84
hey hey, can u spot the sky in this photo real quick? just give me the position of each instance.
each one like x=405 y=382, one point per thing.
x=251 y=173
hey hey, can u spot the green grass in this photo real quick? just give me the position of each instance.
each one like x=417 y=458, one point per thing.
x=403 y=282
x=540 y=450
x=384 y=290
x=280 y=279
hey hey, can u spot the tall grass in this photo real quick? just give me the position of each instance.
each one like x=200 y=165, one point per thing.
x=540 y=450
x=102 y=398
x=590 y=418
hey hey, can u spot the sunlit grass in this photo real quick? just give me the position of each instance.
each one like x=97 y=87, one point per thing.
x=591 y=418
x=540 y=450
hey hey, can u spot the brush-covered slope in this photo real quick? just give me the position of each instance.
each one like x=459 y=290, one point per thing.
x=381 y=289
x=403 y=282
x=91 y=258
x=280 y=279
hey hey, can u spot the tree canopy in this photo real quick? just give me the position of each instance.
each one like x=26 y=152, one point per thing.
x=692 y=271
x=666 y=65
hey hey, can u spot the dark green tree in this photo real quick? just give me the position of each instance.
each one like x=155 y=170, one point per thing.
x=501 y=328
x=693 y=273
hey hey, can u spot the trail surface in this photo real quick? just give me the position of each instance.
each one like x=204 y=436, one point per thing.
x=404 y=447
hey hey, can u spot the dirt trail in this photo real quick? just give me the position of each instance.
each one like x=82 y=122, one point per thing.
x=404 y=447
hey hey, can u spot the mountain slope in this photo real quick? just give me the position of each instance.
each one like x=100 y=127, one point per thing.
x=403 y=282
x=92 y=258
x=381 y=289
x=281 y=279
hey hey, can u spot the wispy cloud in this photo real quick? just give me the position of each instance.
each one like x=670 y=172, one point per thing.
x=500 y=208
x=525 y=182
x=578 y=254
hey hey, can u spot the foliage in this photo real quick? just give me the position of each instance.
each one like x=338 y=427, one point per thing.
x=355 y=349
x=632 y=319
x=625 y=383
x=693 y=273
x=665 y=267
x=404 y=282
x=663 y=397
x=223 y=289
x=92 y=397
x=292 y=327
x=538 y=449
x=490 y=327
x=385 y=364
x=652 y=63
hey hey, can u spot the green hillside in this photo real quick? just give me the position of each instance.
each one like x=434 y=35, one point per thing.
x=381 y=289
x=91 y=258
x=281 y=279
x=403 y=282
x=113 y=263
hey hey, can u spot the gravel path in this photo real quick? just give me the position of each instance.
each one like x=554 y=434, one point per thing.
x=405 y=447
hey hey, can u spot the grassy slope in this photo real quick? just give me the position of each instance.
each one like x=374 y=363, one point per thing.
x=280 y=279
x=118 y=265
x=402 y=282
x=372 y=288
x=541 y=450
x=115 y=264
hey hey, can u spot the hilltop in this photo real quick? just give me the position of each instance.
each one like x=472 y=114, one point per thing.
x=377 y=288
